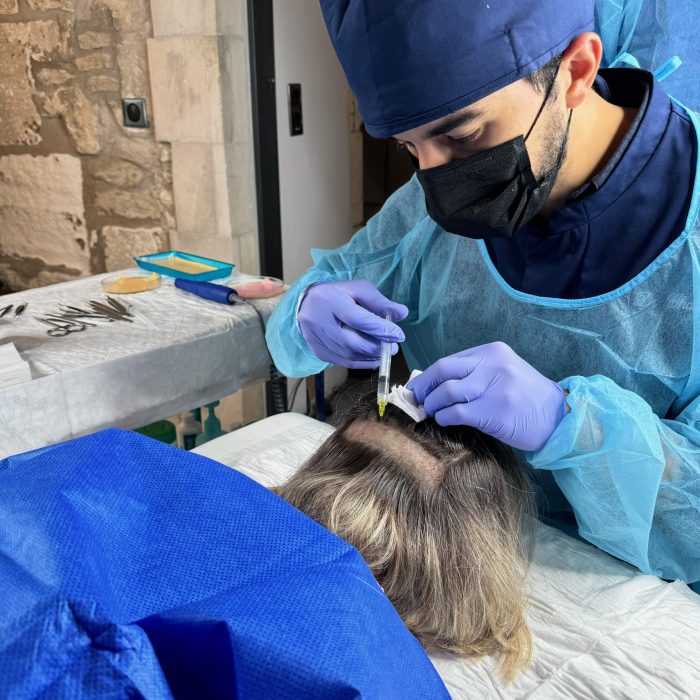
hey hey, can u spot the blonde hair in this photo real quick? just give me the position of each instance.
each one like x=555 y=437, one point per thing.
x=443 y=518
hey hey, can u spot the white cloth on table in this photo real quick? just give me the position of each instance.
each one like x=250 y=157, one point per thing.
x=180 y=352
x=13 y=369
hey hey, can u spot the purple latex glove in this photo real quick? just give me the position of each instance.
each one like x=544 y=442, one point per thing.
x=343 y=323
x=493 y=389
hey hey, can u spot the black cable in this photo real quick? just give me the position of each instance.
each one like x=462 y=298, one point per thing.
x=277 y=381
x=294 y=393
x=278 y=389
x=307 y=412
x=261 y=320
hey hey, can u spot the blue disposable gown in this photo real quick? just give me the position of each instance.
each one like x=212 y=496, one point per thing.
x=650 y=33
x=627 y=457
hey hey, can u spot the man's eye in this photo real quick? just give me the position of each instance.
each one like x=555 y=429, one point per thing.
x=470 y=138
x=406 y=146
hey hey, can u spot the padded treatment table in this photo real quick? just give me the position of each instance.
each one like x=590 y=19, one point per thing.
x=601 y=629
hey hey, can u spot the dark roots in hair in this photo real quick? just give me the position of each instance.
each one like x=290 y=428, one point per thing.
x=442 y=516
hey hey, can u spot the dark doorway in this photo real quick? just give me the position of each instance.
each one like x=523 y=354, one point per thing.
x=385 y=168
x=262 y=78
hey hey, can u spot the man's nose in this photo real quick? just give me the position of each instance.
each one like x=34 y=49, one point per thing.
x=432 y=155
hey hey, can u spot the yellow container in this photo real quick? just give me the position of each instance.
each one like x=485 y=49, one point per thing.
x=131 y=282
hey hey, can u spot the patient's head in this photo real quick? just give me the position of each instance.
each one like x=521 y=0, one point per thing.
x=440 y=516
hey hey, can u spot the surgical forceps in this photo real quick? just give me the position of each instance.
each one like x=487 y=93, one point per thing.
x=19 y=310
x=112 y=311
x=61 y=327
x=71 y=319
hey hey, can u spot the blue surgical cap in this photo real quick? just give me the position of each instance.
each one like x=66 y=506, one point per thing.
x=410 y=62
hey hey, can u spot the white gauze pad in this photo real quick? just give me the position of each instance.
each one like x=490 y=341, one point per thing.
x=403 y=398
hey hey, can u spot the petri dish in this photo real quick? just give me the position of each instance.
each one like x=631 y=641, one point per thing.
x=249 y=287
x=131 y=282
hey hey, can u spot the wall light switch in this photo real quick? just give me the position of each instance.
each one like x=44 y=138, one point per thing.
x=296 y=118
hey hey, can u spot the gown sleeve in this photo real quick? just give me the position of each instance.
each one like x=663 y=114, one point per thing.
x=373 y=254
x=632 y=478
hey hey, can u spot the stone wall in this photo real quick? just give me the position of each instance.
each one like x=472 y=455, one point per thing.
x=202 y=104
x=79 y=192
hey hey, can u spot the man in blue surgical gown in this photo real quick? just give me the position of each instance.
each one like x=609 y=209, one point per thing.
x=542 y=266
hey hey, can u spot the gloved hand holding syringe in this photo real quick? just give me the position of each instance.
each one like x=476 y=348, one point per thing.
x=353 y=324
x=345 y=323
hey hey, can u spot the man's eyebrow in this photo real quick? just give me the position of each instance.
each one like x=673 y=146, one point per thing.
x=458 y=120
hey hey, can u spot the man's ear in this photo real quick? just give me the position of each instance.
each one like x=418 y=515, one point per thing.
x=579 y=66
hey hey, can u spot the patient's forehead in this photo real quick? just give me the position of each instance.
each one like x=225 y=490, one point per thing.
x=397 y=445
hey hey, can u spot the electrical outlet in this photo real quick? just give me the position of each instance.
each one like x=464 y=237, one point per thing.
x=135 y=116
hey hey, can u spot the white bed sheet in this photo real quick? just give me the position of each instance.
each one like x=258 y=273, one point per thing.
x=601 y=630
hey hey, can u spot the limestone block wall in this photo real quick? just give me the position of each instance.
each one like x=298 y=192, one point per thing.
x=79 y=193
x=202 y=106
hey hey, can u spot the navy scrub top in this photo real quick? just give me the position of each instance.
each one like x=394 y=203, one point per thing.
x=638 y=203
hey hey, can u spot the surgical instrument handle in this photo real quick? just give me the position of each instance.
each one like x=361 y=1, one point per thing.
x=207 y=290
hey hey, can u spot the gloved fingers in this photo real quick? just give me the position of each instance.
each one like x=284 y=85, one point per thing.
x=460 y=414
x=359 y=346
x=496 y=349
x=346 y=345
x=448 y=368
x=360 y=319
x=368 y=296
x=359 y=362
x=450 y=393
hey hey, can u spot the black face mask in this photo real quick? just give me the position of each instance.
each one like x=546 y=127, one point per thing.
x=493 y=193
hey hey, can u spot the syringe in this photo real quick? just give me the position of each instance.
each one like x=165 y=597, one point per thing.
x=384 y=372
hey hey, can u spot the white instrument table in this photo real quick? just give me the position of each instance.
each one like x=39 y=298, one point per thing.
x=180 y=352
